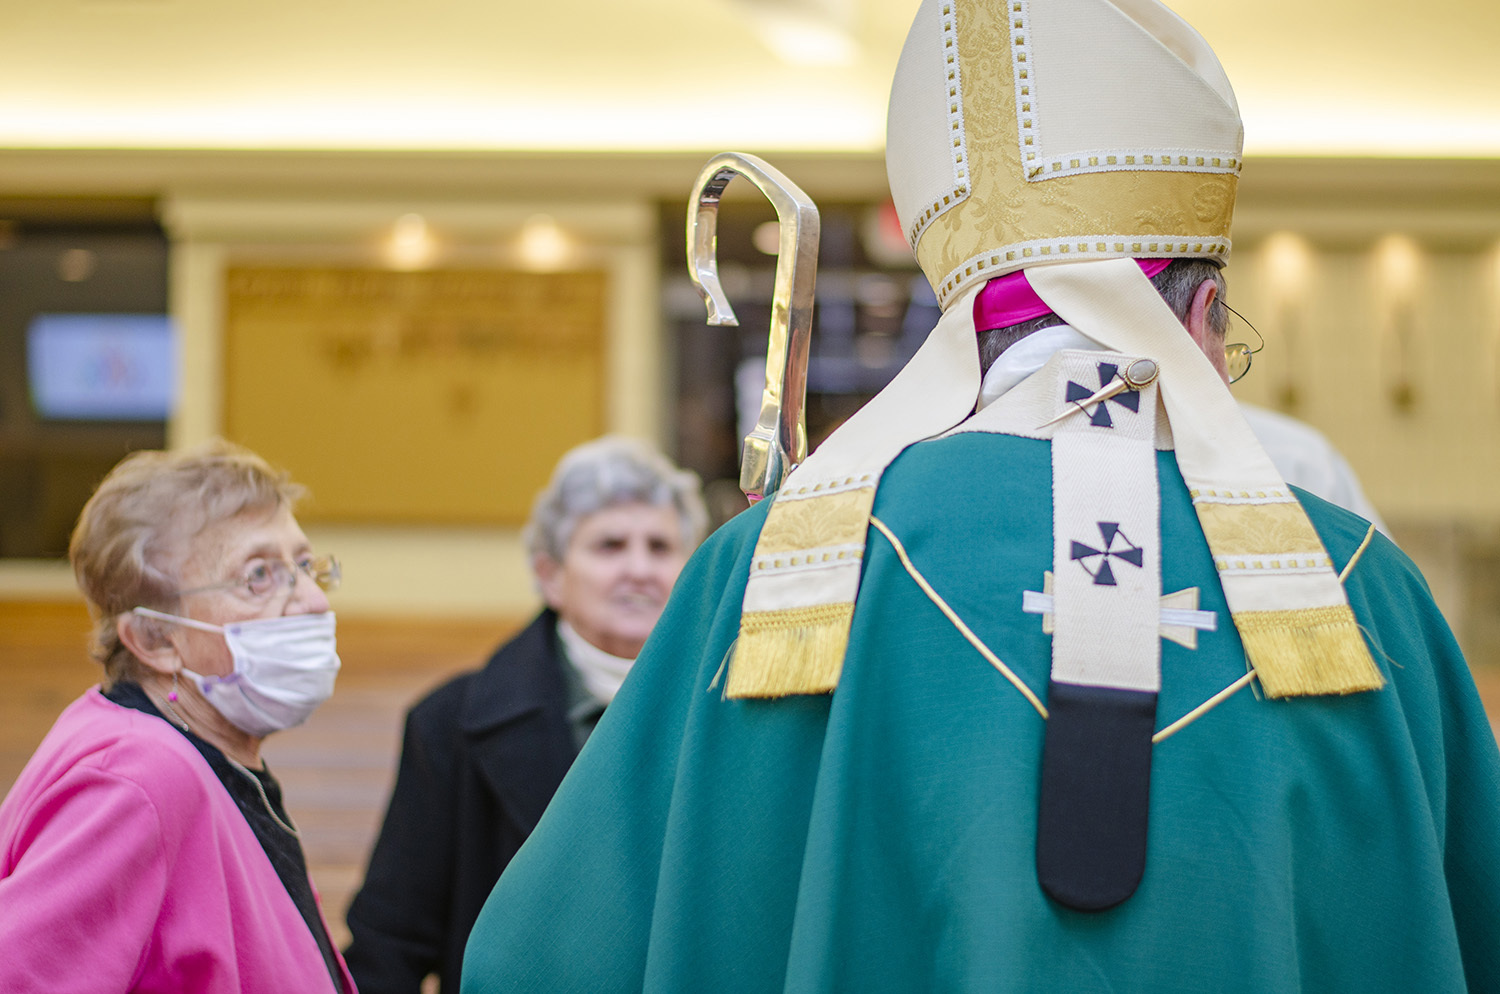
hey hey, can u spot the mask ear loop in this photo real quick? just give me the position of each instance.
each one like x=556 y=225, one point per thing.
x=202 y=626
x=146 y=612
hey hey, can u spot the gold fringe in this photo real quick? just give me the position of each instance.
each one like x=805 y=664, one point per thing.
x=1308 y=652
x=795 y=651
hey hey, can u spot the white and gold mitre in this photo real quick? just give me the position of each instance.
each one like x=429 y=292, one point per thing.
x=1023 y=132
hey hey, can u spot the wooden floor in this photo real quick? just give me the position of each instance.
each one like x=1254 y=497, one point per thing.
x=337 y=769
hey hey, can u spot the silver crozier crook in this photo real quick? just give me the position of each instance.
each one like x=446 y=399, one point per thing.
x=778 y=441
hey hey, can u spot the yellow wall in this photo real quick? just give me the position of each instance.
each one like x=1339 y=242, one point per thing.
x=1404 y=380
x=439 y=562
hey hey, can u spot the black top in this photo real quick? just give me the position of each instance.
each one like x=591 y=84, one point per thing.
x=281 y=845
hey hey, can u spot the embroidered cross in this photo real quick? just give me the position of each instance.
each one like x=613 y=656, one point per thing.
x=1127 y=551
x=1126 y=398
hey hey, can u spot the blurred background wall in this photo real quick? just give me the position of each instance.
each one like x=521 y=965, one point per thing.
x=421 y=358
x=414 y=252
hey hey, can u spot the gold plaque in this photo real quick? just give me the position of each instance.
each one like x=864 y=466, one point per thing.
x=414 y=397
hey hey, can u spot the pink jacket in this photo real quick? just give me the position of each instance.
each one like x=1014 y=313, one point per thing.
x=125 y=866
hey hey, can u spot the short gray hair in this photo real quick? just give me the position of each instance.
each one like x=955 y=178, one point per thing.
x=604 y=473
x=1177 y=284
x=122 y=546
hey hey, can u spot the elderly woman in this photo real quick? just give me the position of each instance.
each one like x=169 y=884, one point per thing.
x=484 y=753
x=145 y=846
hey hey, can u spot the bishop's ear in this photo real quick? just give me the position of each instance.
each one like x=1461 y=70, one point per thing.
x=148 y=641
x=1201 y=328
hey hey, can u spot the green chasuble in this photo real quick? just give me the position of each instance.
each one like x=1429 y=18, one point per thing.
x=882 y=838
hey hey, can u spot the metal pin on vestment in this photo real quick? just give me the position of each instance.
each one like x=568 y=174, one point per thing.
x=1137 y=375
x=778 y=442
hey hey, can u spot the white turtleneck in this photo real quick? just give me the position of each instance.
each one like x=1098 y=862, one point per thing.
x=600 y=672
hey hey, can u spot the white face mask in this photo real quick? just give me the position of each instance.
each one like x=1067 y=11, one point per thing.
x=283 y=669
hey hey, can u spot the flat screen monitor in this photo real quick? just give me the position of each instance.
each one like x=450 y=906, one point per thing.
x=101 y=367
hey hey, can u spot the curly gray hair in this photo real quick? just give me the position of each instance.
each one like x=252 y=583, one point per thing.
x=604 y=473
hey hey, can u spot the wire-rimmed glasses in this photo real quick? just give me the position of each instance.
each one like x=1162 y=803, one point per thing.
x=1237 y=354
x=262 y=578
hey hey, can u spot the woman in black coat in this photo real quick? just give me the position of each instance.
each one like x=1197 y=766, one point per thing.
x=484 y=753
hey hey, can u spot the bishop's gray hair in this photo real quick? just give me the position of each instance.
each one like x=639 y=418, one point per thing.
x=1177 y=284
x=605 y=473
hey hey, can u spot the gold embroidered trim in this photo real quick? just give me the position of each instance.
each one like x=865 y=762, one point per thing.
x=836 y=555
x=1285 y=562
x=960 y=191
x=825 y=489
x=1260 y=531
x=1308 y=651
x=1136 y=162
x=1005 y=258
x=795 y=651
x=752 y=622
x=800 y=526
x=1243 y=496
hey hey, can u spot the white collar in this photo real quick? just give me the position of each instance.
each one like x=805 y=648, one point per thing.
x=1026 y=357
x=601 y=673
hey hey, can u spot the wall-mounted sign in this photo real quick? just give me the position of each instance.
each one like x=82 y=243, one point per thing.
x=436 y=397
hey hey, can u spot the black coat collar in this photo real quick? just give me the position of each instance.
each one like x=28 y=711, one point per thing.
x=515 y=720
x=523 y=676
